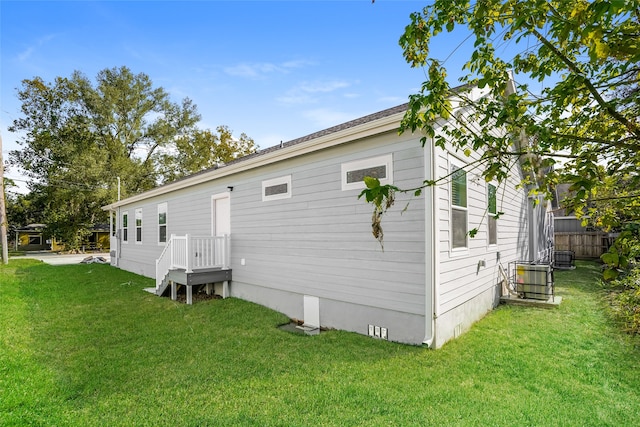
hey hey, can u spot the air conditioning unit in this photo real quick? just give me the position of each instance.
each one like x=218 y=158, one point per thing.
x=564 y=260
x=534 y=281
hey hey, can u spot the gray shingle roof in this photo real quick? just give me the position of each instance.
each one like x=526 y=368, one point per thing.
x=347 y=125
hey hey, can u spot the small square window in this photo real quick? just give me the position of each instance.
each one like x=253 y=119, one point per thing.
x=353 y=173
x=276 y=188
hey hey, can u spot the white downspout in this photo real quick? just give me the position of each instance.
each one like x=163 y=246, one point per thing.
x=432 y=256
x=118 y=236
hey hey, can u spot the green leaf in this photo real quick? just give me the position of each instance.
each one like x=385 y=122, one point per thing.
x=610 y=274
x=610 y=258
x=371 y=182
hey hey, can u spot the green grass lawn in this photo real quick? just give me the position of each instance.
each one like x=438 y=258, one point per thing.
x=83 y=345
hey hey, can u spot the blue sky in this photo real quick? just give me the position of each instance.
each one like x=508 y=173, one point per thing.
x=275 y=70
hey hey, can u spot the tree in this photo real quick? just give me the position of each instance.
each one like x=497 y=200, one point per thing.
x=79 y=137
x=204 y=149
x=24 y=209
x=581 y=128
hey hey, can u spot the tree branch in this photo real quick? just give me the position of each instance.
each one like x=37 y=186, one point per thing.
x=573 y=67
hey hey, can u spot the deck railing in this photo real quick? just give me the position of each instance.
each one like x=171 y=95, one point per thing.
x=193 y=253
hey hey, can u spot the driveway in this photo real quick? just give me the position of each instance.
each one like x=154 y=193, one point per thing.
x=55 y=259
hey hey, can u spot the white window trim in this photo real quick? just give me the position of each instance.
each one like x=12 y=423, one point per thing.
x=491 y=215
x=386 y=160
x=452 y=207
x=125 y=213
x=277 y=181
x=162 y=207
x=135 y=226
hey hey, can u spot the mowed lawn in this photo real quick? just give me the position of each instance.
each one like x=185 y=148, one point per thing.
x=83 y=345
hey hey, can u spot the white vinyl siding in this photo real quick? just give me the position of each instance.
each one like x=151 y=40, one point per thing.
x=276 y=188
x=460 y=278
x=353 y=173
x=458 y=207
x=125 y=227
x=162 y=223
x=139 y=225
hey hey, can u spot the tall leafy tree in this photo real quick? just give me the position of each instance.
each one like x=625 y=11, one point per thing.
x=204 y=149
x=79 y=136
x=582 y=127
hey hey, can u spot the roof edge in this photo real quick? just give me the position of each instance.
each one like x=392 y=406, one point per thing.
x=362 y=127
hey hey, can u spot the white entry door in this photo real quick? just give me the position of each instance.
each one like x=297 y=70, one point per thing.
x=221 y=210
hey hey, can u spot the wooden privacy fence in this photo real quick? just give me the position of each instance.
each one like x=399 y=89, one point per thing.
x=585 y=244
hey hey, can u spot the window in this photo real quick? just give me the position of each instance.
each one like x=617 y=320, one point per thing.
x=35 y=240
x=276 y=188
x=353 y=173
x=125 y=227
x=139 y=225
x=162 y=223
x=491 y=214
x=458 y=207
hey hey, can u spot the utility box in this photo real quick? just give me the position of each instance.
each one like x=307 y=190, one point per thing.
x=565 y=260
x=533 y=281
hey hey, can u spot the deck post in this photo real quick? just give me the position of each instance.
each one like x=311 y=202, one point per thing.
x=227 y=251
x=189 y=268
x=174 y=291
x=225 y=289
x=189 y=294
x=171 y=240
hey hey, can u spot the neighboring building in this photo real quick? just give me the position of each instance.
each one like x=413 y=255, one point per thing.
x=301 y=241
x=98 y=239
x=31 y=238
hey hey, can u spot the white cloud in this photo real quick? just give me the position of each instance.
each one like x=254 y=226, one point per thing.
x=258 y=70
x=26 y=54
x=393 y=100
x=325 y=117
x=323 y=87
x=302 y=93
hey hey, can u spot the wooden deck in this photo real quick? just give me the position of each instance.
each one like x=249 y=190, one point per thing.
x=180 y=277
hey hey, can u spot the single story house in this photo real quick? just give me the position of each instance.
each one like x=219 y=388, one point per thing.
x=32 y=238
x=285 y=229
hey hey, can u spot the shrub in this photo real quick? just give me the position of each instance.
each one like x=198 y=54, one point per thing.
x=625 y=251
x=625 y=300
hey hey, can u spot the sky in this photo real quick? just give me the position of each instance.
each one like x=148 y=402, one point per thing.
x=274 y=70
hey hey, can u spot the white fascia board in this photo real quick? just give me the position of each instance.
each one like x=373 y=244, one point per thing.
x=365 y=130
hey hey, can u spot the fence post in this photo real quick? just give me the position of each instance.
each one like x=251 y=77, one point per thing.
x=171 y=265
x=188 y=253
x=227 y=251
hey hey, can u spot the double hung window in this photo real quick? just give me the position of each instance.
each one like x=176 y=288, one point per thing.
x=458 y=207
